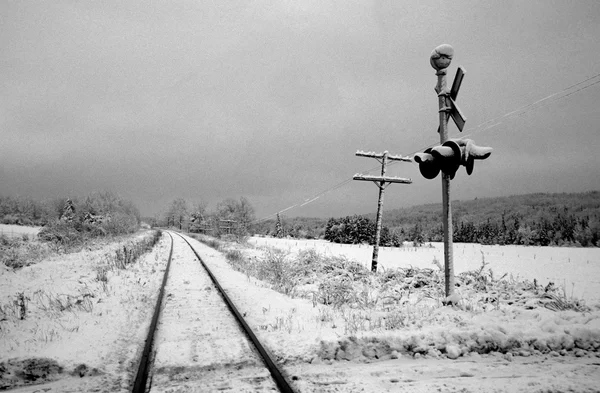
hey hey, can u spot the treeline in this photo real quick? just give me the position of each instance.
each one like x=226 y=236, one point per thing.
x=99 y=207
x=295 y=227
x=70 y=221
x=533 y=219
x=28 y=211
x=358 y=230
x=229 y=217
x=553 y=228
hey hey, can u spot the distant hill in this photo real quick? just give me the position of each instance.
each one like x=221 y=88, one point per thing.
x=586 y=204
x=541 y=218
x=531 y=219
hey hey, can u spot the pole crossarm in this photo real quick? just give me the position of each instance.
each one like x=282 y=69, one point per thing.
x=361 y=153
x=385 y=179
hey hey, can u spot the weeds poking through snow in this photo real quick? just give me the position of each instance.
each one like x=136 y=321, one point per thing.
x=56 y=304
x=20 y=306
x=20 y=252
x=125 y=256
x=211 y=242
x=22 y=303
x=391 y=299
x=101 y=271
x=325 y=314
x=437 y=263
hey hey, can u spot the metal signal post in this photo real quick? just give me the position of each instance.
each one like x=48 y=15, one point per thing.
x=440 y=60
x=450 y=154
x=381 y=182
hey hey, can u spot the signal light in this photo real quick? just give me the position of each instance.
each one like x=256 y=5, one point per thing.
x=472 y=152
x=449 y=156
x=428 y=166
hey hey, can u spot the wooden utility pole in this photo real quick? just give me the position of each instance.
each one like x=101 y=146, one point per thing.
x=381 y=182
x=228 y=225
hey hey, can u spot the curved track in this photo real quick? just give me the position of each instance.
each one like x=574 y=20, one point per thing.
x=198 y=340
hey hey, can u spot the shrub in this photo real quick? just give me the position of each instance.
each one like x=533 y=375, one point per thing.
x=234 y=255
x=98 y=215
x=10 y=219
x=279 y=270
x=19 y=252
x=118 y=224
x=213 y=243
x=229 y=238
x=61 y=233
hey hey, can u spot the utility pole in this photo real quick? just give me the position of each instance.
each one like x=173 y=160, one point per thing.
x=381 y=182
x=228 y=225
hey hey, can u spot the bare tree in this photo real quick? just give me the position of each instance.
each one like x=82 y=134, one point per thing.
x=239 y=214
x=178 y=212
x=245 y=214
x=198 y=217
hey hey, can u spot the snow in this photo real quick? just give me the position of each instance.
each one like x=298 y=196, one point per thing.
x=322 y=348
x=17 y=230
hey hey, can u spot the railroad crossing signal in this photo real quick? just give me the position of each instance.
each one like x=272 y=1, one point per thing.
x=450 y=155
x=451 y=108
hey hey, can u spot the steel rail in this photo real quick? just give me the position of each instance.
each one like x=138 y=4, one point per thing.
x=141 y=379
x=282 y=383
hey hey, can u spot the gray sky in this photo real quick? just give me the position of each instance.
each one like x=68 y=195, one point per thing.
x=271 y=99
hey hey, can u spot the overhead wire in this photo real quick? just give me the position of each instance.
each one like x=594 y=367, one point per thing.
x=474 y=130
x=532 y=106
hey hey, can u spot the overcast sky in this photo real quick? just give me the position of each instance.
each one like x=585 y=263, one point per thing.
x=270 y=100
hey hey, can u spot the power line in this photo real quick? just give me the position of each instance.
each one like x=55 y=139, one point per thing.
x=474 y=130
x=534 y=105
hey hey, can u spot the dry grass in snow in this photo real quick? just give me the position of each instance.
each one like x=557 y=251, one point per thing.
x=575 y=269
x=78 y=314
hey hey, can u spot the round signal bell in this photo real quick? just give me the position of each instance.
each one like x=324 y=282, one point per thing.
x=441 y=57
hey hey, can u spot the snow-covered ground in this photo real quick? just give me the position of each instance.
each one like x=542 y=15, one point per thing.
x=84 y=328
x=505 y=348
x=577 y=269
x=18 y=230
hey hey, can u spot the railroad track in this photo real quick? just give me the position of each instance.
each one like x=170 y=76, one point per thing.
x=198 y=340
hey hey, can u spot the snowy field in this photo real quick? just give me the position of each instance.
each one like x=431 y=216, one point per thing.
x=575 y=269
x=18 y=230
